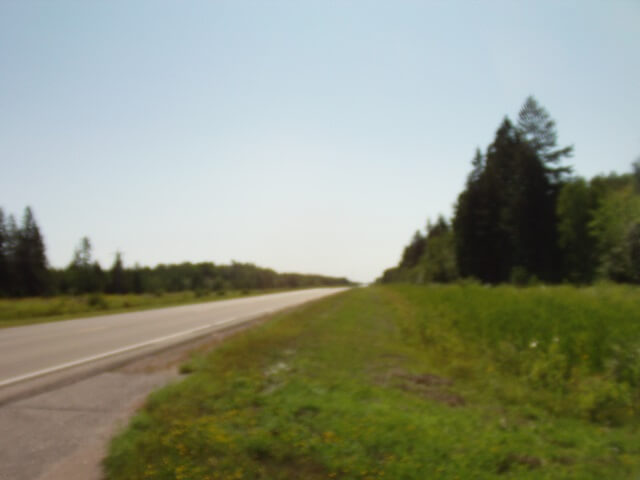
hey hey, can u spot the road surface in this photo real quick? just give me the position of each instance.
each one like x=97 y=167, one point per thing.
x=31 y=352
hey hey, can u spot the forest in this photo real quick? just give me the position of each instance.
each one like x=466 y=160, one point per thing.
x=25 y=270
x=525 y=217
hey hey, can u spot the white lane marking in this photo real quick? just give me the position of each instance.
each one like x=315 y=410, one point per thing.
x=74 y=363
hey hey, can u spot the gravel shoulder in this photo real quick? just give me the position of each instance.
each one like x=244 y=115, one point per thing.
x=63 y=433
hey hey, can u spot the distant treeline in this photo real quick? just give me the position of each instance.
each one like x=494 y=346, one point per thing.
x=24 y=270
x=523 y=217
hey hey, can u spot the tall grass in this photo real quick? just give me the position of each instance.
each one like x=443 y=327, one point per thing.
x=583 y=343
x=43 y=309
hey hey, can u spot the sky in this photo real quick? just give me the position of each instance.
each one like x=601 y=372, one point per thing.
x=311 y=136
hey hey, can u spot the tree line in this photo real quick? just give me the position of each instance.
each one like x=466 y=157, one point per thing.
x=25 y=271
x=523 y=216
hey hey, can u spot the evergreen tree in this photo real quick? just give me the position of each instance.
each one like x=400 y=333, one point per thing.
x=137 y=279
x=4 y=257
x=505 y=218
x=11 y=245
x=86 y=275
x=82 y=254
x=30 y=262
x=97 y=280
x=483 y=247
x=117 y=276
x=635 y=167
x=413 y=251
x=80 y=267
x=438 y=262
x=477 y=164
x=539 y=130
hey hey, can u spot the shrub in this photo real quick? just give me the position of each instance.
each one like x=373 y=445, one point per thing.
x=97 y=300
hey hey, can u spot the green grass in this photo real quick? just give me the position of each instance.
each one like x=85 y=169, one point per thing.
x=406 y=382
x=25 y=311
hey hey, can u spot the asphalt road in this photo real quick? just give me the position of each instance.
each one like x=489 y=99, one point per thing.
x=36 y=351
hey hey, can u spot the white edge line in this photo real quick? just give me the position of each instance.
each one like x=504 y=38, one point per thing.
x=110 y=353
x=74 y=363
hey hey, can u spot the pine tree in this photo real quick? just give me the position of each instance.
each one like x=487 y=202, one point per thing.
x=413 y=251
x=11 y=246
x=30 y=259
x=539 y=130
x=438 y=262
x=4 y=257
x=86 y=276
x=117 y=276
x=505 y=218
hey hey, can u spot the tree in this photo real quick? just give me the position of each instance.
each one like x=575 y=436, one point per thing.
x=438 y=262
x=613 y=227
x=539 y=131
x=82 y=254
x=4 y=257
x=412 y=253
x=137 y=279
x=30 y=262
x=483 y=247
x=633 y=248
x=635 y=166
x=477 y=164
x=11 y=245
x=86 y=275
x=505 y=217
x=117 y=276
x=575 y=207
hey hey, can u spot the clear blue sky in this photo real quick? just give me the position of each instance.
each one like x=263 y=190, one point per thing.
x=304 y=136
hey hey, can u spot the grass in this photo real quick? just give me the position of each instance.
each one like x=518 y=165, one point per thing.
x=407 y=382
x=25 y=311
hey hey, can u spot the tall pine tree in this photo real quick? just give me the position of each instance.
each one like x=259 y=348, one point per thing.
x=30 y=262
x=505 y=218
x=117 y=283
x=4 y=257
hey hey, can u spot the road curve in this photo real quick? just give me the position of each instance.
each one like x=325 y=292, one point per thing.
x=38 y=350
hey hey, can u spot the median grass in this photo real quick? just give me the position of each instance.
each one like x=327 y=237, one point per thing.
x=407 y=382
x=25 y=311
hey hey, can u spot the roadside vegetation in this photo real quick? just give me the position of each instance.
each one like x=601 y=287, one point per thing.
x=25 y=272
x=24 y=311
x=33 y=292
x=524 y=217
x=408 y=382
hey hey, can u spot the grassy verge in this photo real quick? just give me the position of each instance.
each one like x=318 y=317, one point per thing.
x=405 y=382
x=25 y=311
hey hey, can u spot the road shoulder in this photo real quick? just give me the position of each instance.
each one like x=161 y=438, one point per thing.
x=63 y=433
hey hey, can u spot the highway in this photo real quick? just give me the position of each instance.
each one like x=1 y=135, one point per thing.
x=35 y=351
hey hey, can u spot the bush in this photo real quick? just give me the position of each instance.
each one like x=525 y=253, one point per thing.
x=97 y=301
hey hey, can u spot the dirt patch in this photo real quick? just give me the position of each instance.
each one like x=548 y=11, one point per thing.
x=515 y=459
x=427 y=385
x=427 y=379
x=435 y=394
